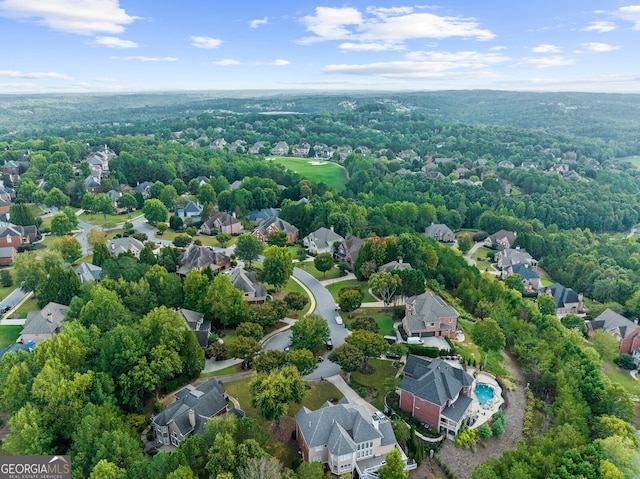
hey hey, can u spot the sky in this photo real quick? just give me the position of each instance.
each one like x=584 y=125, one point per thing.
x=160 y=45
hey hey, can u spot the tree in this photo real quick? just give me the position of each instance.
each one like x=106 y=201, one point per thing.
x=261 y=468
x=248 y=248
x=303 y=359
x=224 y=303
x=223 y=238
x=620 y=451
x=95 y=236
x=267 y=361
x=107 y=470
x=154 y=211
x=349 y=357
x=20 y=214
x=60 y=225
x=244 y=348
x=70 y=249
x=605 y=344
x=56 y=198
x=176 y=223
x=350 y=299
x=384 y=285
x=147 y=255
x=60 y=287
x=250 y=330
x=271 y=393
x=277 y=238
x=277 y=266
x=312 y=470
x=194 y=284
x=371 y=344
x=6 y=279
x=394 y=467
x=29 y=271
x=181 y=241
x=546 y=304
x=127 y=201
x=102 y=204
x=514 y=281
x=464 y=242
x=206 y=194
x=296 y=300
x=168 y=196
x=310 y=332
x=100 y=253
x=367 y=323
x=323 y=263
x=488 y=336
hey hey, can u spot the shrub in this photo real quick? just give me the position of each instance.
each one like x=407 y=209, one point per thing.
x=480 y=236
x=485 y=432
x=625 y=361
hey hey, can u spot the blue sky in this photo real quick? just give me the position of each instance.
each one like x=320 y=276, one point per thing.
x=160 y=45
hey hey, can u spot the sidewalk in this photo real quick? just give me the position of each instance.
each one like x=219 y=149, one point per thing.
x=349 y=393
x=349 y=276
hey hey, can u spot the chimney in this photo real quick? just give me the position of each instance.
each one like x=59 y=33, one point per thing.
x=332 y=228
x=192 y=418
x=49 y=317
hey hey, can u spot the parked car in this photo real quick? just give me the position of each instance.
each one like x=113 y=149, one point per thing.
x=5 y=309
x=392 y=355
x=329 y=344
x=319 y=358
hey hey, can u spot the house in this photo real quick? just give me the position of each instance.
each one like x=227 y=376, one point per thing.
x=635 y=355
x=530 y=279
x=246 y=282
x=567 y=300
x=624 y=330
x=238 y=146
x=503 y=239
x=7 y=254
x=43 y=324
x=221 y=223
x=255 y=149
x=114 y=196
x=15 y=235
x=349 y=249
x=440 y=232
x=203 y=179
x=117 y=246
x=264 y=214
x=428 y=315
x=88 y=272
x=529 y=164
x=191 y=411
x=7 y=194
x=275 y=224
x=235 y=185
x=196 y=323
x=322 y=151
x=506 y=164
x=100 y=157
x=143 y=189
x=301 y=150
x=436 y=393
x=218 y=144
x=11 y=168
x=92 y=183
x=509 y=257
x=16 y=348
x=281 y=149
x=321 y=241
x=346 y=437
x=5 y=206
x=394 y=266
x=200 y=257
x=191 y=210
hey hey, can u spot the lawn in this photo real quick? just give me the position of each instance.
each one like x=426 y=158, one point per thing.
x=469 y=350
x=236 y=368
x=317 y=171
x=381 y=315
x=310 y=268
x=634 y=160
x=97 y=219
x=206 y=240
x=335 y=288
x=546 y=281
x=9 y=334
x=292 y=286
x=481 y=254
x=384 y=370
x=621 y=377
x=4 y=292
x=29 y=305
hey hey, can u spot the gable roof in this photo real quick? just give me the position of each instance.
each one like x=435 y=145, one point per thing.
x=123 y=245
x=246 y=282
x=263 y=214
x=353 y=244
x=561 y=295
x=141 y=187
x=323 y=237
x=438 y=230
x=88 y=272
x=428 y=308
x=46 y=321
x=196 y=256
x=509 y=236
x=191 y=207
x=222 y=219
x=525 y=272
x=435 y=381
x=394 y=266
x=511 y=257
x=205 y=401
x=615 y=323
x=275 y=223
x=340 y=427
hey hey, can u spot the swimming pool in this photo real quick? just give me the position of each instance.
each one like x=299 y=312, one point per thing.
x=485 y=394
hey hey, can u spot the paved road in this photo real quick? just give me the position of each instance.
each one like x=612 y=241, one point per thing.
x=325 y=308
x=12 y=299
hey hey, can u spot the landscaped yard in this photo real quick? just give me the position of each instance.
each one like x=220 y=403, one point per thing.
x=382 y=316
x=327 y=172
x=469 y=350
x=29 y=305
x=291 y=286
x=335 y=288
x=4 y=292
x=481 y=254
x=384 y=369
x=622 y=377
x=236 y=368
x=9 y=334
x=310 y=268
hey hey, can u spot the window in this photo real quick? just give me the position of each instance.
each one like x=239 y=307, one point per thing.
x=317 y=458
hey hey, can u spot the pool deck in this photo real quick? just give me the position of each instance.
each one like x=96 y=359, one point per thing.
x=481 y=414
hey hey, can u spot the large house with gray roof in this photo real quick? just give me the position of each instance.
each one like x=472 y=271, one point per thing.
x=117 y=246
x=195 y=322
x=88 y=273
x=624 y=330
x=43 y=324
x=509 y=257
x=346 y=437
x=221 y=223
x=321 y=241
x=436 y=393
x=191 y=411
x=440 y=232
x=566 y=299
x=428 y=315
x=264 y=228
x=349 y=249
x=246 y=282
x=200 y=257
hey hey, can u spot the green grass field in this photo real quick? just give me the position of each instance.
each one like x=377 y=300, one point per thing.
x=384 y=370
x=310 y=268
x=382 y=317
x=634 y=160
x=335 y=288
x=9 y=334
x=317 y=171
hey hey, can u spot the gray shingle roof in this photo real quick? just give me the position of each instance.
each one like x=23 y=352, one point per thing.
x=457 y=409
x=613 y=322
x=88 y=272
x=197 y=257
x=561 y=295
x=435 y=381
x=246 y=282
x=324 y=237
x=427 y=308
x=525 y=272
x=46 y=321
x=394 y=266
x=117 y=246
x=278 y=224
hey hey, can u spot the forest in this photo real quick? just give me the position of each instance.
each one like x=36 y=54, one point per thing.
x=554 y=170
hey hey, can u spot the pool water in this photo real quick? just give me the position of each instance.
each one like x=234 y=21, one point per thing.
x=484 y=393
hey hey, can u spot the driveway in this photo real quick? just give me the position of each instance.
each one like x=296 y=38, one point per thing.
x=12 y=300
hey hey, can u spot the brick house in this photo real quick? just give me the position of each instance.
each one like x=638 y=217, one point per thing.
x=428 y=315
x=349 y=249
x=275 y=224
x=624 y=330
x=221 y=223
x=440 y=232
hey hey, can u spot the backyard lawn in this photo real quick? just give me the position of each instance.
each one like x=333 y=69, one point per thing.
x=622 y=377
x=469 y=350
x=29 y=305
x=384 y=370
x=332 y=174
x=335 y=288
x=9 y=334
x=310 y=268
x=382 y=316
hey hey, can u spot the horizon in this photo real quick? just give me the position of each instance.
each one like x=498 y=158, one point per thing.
x=122 y=46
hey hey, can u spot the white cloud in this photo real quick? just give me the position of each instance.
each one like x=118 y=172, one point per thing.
x=631 y=13
x=369 y=47
x=599 y=47
x=24 y=86
x=205 y=42
x=258 y=21
x=546 y=48
x=145 y=59
x=85 y=17
x=386 y=27
x=497 y=48
x=226 y=62
x=115 y=42
x=600 y=26
x=277 y=63
x=34 y=75
x=545 y=62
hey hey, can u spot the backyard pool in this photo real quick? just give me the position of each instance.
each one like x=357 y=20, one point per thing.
x=485 y=394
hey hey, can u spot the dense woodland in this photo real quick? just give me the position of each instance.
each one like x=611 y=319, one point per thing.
x=122 y=343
